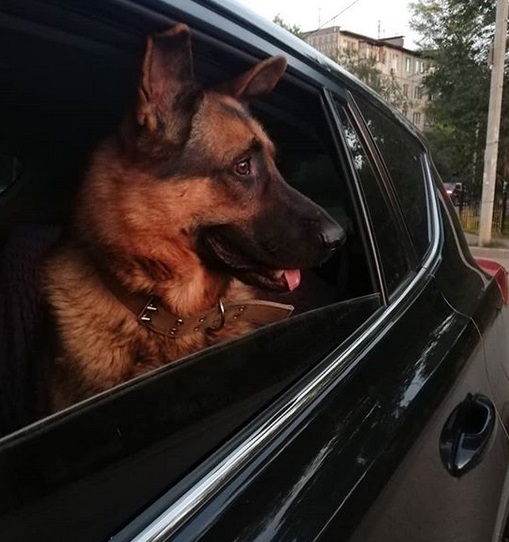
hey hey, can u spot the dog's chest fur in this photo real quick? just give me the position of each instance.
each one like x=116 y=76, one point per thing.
x=101 y=342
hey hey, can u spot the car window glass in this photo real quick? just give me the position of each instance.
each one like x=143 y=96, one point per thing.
x=388 y=235
x=150 y=433
x=9 y=172
x=402 y=155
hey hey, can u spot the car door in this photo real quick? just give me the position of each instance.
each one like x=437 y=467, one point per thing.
x=450 y=485
x=325 y=462
x=491 y=317
x=360 y=449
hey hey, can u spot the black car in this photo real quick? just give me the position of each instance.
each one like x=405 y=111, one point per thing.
x=379 y=415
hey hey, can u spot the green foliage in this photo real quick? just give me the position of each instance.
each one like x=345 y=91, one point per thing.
x=294 y=29
x=457 y=37
x=365 y=68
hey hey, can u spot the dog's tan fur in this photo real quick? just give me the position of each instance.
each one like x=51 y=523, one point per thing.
x=101 y=342
x=131 y=219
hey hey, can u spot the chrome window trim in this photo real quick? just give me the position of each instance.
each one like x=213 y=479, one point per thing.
x=176 y=515
x=461 y=254
x=435 y=225
x=332 y=110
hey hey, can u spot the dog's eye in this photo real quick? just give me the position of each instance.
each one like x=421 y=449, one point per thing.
x=243 y=167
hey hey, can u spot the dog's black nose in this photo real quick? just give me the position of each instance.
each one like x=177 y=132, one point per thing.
x=333 y=236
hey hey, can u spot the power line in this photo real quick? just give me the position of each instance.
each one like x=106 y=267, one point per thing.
x=332 y=18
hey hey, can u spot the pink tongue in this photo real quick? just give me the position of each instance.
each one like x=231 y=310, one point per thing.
x=292 y=277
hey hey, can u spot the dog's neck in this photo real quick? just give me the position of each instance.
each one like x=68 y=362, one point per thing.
x=152 y=312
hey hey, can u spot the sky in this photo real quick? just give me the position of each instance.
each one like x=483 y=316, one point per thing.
x=361 y=16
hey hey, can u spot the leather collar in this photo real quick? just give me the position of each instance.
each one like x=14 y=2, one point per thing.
x=150 y=312
x=159 y=319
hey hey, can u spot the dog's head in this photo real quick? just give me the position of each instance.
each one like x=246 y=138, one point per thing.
x=209 y=181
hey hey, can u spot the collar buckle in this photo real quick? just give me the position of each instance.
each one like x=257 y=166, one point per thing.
x=222 y=314
x=150 y=308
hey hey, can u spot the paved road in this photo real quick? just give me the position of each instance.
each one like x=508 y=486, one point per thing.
x=500 y=254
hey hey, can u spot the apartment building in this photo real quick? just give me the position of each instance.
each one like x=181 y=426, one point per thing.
x=392 y=59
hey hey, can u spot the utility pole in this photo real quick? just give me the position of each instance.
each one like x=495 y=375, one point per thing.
x=492 y=133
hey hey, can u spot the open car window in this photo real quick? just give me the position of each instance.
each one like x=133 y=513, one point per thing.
x=186 y=409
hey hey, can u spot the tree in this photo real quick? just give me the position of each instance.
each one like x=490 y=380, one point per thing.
x=294 y=29
x=365 y=68
x=457 y=37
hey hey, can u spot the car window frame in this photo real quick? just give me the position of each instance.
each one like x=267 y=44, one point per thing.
x=386 y=188
x=431 y=259
x=60 y=419
x=385 y=171
x=164 y=518
x=181 y=503
x=356 y=196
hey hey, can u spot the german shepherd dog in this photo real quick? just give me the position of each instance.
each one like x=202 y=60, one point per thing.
x=181 y=216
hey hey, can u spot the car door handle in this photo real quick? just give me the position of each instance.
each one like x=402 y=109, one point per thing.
x=466 y=433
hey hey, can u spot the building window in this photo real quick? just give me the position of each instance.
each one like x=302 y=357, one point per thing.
x=408 y=64
x=416 y=118
x=405 y=89
x=417 y=93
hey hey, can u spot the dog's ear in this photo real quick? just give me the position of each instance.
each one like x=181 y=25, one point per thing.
x=259 y=80
x=167 y=74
